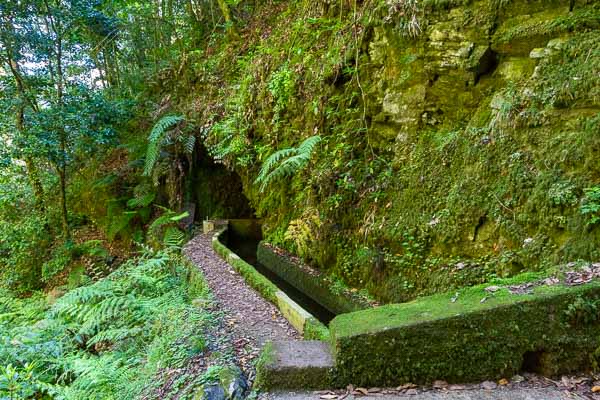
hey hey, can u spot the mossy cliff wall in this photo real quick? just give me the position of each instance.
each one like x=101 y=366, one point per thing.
x=458 y=136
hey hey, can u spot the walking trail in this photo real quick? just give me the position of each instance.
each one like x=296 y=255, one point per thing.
x=251 y=320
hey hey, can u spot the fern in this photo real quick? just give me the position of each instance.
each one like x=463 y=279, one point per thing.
x=167 y=223
x=141 y=201
x=286 y=162
x=174 y=237
x=156 y=140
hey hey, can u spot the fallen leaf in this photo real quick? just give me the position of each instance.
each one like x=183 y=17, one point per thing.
x=362 y=391
x=503 y=382
x=596 y=389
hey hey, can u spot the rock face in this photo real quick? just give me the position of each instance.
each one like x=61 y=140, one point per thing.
x=453 y=132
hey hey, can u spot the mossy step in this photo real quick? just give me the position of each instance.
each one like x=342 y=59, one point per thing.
x=293 y=365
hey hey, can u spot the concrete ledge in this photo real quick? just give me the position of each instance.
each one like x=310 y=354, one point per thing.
x=313 y=284
x=475 y=335
x=295 y=365
x=296 y=315
x=299 y=318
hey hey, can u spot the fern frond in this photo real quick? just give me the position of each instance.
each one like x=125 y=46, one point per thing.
x=141 y=201
x=272 y=161
x=114 y=335
x=309 y=145
x=163 y=125
x=173 y=237
x=294 y=159
x=189 y=142
x=155 y=140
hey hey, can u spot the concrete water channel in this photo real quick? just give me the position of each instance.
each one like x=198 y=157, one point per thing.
x=245 y=241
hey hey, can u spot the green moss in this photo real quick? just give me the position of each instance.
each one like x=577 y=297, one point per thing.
x=265 y=360
x=465 y=340
x=549 y=24
x=316 y=330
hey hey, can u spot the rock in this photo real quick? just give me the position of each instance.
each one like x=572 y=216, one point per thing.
x=411 y=392
x=210 y=392
x=489 y=385
x=538 y=53
x=234 y=383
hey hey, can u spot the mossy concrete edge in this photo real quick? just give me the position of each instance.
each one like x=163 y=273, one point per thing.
x=474 y=336
x=299 y=318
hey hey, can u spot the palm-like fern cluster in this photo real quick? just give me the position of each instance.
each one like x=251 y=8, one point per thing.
x=103 y=341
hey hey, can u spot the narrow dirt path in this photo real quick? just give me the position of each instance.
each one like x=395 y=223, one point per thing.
x=250 y=320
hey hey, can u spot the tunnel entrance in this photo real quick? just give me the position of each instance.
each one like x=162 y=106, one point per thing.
x=215 y=191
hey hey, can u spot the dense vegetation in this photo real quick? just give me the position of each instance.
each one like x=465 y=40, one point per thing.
x=403 y=147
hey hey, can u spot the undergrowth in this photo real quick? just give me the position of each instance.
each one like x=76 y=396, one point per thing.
x=108 y=340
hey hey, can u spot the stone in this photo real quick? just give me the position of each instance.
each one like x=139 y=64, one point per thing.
x=210 y=392
x=538 y=53
x=233 y=382
x=295 y=365
x=405 y=106
x=489 y=385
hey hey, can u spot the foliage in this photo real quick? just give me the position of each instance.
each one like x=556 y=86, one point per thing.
x=164 y=230
x=106 y=340
x=158 y=138
x=287 y=162
x=590 y=206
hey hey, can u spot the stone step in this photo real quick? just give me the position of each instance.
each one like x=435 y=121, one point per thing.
x=294 y=365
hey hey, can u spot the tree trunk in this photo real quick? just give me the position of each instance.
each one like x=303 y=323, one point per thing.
x=36 y=183
x=62 y=174
x=231 y=31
